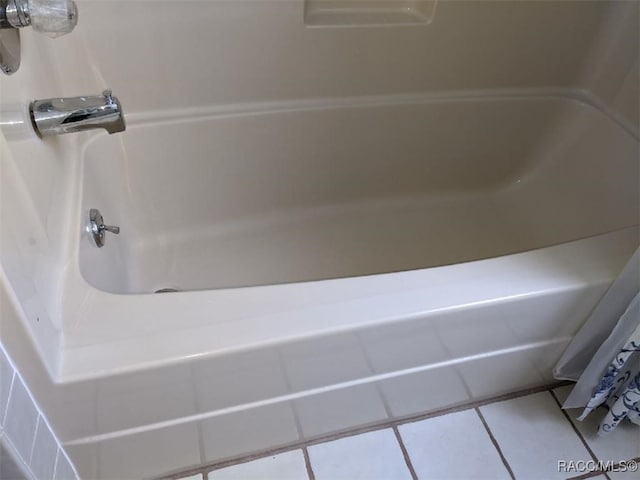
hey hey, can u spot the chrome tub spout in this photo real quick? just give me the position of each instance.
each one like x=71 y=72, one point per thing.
x=56 y=116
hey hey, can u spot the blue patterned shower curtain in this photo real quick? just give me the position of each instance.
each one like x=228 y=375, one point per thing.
x=619 y=389
x=604 y=356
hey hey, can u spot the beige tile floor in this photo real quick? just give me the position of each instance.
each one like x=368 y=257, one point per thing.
x=524 y=436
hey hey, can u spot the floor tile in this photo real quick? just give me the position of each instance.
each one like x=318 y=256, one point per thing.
x=372 y=455
x=453 y=446
x=285 y=466
x=534 y=436
x=621 y=444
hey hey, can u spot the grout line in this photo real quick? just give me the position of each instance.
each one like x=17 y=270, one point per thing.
x=495 y=444
x=6 y=406
x=360 y=430
x=307 y=462
x=56 y=461
x=188 y=473
x=17 y=377
x=578 y=433
x=39 y=422
x=289 y=388
x=232 y=461
x=476 y=403
x=14 y=455
x=405 y=453
x=372 y=370
x=425 y=416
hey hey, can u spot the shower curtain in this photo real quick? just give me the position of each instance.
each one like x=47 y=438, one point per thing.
x=604 y=356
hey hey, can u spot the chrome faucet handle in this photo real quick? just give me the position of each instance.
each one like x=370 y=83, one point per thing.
x=51 y=17
x=109 y=228
x=97 y=228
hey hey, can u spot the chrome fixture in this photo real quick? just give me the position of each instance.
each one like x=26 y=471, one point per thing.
x=51 y=17
x=9 y=51
x=55 y=116
x=96 y=227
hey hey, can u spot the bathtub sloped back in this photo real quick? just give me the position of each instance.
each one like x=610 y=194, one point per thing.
x=312 y=193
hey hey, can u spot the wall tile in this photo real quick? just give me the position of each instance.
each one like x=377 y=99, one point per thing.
x=424 y=391
x=63 y=470
x=6 y=376
x=85 y=459
x=248 y=431
x=25 y=431
x=338 y=410
x=9 y=468
x=149 y=454
x=21 y=420
x=45 y=450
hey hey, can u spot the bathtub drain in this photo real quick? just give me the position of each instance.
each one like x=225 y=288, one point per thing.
x=167 y=290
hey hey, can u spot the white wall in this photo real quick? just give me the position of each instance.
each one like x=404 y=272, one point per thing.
x=612 y=71
x=199 y=53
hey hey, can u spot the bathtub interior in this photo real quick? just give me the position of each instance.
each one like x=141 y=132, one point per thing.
x=335 y=190
x=291 y=187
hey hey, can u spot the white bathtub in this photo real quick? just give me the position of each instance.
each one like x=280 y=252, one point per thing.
x=328 y=210
x=339 y=263
x=364 y=223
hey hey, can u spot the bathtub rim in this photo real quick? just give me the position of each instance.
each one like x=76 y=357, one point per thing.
x=194 y=114
x=594 y=255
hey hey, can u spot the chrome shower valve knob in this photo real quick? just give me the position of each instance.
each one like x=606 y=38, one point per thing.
x=51 y=17
x=97 y=228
